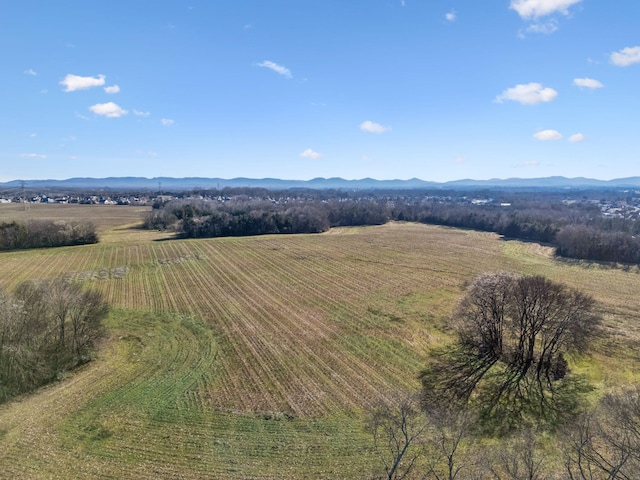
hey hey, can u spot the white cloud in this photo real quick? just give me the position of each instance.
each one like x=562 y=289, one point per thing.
x=576 y=138
x=33 y=135
x=139 y=113
x=460 y=160
x=450 y=17
x=373 y=127
x=30 y=72
x=366 y=158
x=587 y=83
x=546 y=135
x=109 y=110
x=33 y=155
x=167 y=122
x=528 y=94
x=75 y=82
x=528 y=9
x=112 y=89
x=308 y=153
x=626 y=56
x=285 y=72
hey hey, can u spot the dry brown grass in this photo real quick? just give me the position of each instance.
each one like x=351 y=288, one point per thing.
x=312 y=327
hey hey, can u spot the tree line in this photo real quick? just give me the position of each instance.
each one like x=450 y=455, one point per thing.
x=577 y=231
x=46 y=329
x=44 y=233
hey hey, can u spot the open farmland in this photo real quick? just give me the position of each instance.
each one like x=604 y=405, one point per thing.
x=255 y=357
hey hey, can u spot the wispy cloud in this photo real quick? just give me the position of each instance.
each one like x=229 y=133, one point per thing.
x=33 y=155
x=373 y=127
x=547 y=135
x=112 y=89
x=109 y=110
x=587 y=83
x=460 y=160
x=139 y=113
x=625 y=57
x=531 y=9
x=450 y=17
x=75 y=82
x=285 y=72
x=528 y=94
x=309 y=153
x=576 y=138
x=544 y=28
x=167 y=122
x=530 y=163
x=30 y=72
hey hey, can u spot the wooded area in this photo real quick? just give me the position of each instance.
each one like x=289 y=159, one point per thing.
x=43 y=233
x=576 y=230
x=46 y=329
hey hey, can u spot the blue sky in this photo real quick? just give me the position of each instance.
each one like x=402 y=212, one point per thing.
x=434 y=89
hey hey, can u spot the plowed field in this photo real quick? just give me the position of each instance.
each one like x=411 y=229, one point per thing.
x=254 y=357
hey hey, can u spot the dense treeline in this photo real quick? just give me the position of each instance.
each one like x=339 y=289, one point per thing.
x=577 y=230
x=243 y=216
x=46 y=329
x=41 y=234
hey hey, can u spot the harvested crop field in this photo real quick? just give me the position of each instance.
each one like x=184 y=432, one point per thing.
x=255 y=357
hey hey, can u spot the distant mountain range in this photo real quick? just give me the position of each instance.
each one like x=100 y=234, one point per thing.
x=190 y=183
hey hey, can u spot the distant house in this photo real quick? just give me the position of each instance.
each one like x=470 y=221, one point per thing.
x=5 y=200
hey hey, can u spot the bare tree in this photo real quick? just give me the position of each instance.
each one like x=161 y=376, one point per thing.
x=450 y=443
x=605 y=443
x=398 y=430
x=520 y=457
x=512 y=334
x=46 y=328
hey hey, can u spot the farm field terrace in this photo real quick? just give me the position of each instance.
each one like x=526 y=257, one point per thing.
x=257 y=357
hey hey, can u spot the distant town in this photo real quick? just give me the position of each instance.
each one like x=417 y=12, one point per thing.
x=615 y=203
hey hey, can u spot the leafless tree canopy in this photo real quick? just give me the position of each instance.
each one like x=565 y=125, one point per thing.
x=46 y=328
x=605 y=443
x=508 y=358
x=398 y=430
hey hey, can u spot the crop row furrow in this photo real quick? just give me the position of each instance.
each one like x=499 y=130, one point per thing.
x=265 y=350
x=317 y=366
